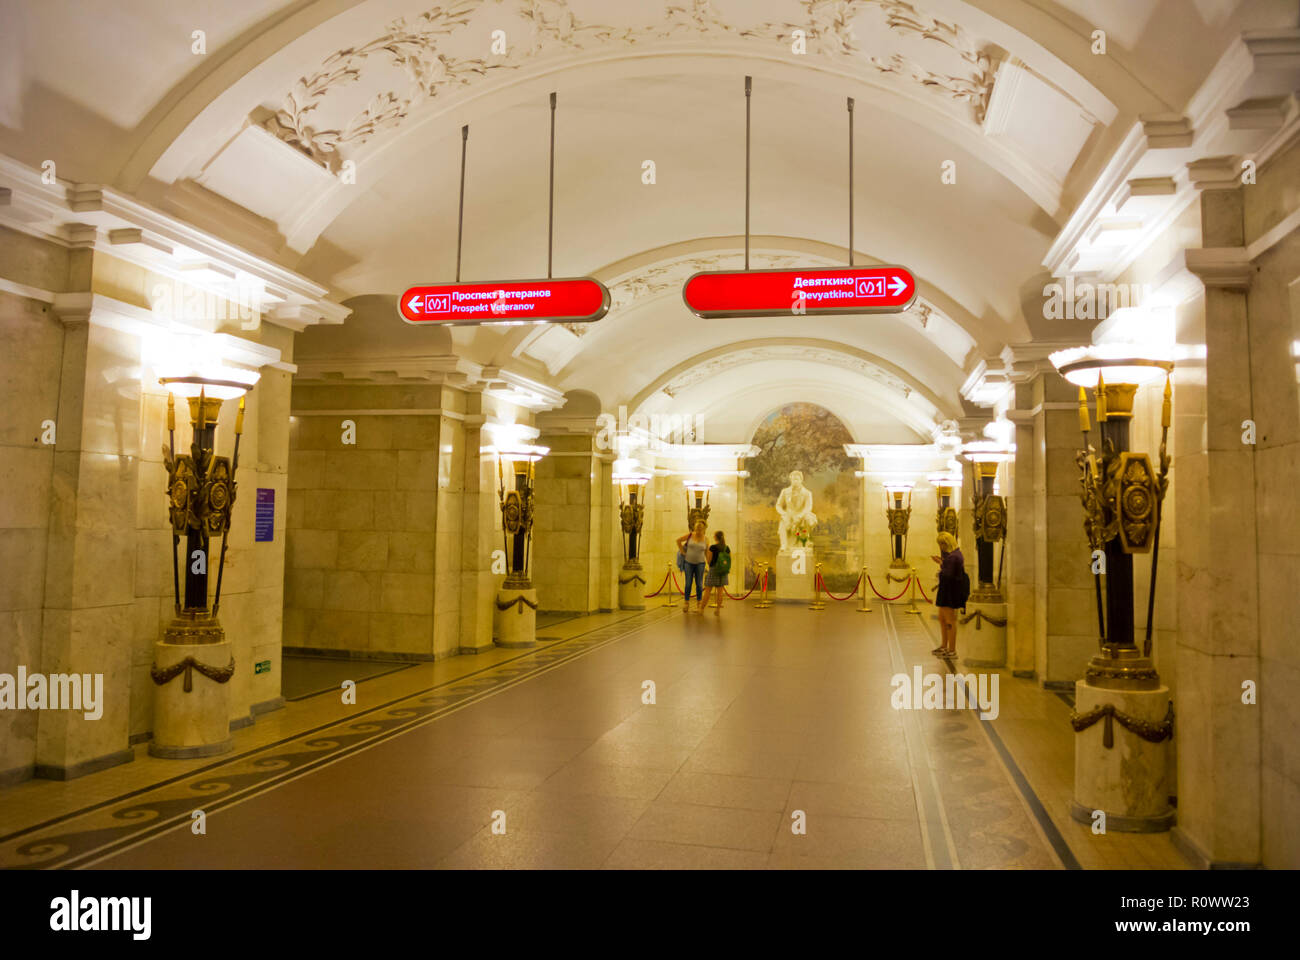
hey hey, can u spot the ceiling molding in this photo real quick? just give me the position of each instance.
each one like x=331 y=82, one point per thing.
x=1244 y=110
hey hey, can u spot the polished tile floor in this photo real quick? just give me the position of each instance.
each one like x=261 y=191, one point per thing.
x=771 y=742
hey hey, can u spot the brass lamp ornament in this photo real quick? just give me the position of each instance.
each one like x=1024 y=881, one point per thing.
x=947 y=489
x=1122 y=493
x=517 y=508
x=201 y=492
x=631 y=512
x=988 y=515
x=700 y=509
x=898 y=514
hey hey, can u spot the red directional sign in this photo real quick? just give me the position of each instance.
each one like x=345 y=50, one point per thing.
x=577 y=300
x=817 y=290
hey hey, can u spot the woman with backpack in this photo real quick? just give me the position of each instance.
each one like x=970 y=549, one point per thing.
x=716 y=575
x=954 y=589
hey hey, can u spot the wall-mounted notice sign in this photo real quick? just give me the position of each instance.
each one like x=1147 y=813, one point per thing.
x=578 y=300
x=264 y=516
x=819 y=290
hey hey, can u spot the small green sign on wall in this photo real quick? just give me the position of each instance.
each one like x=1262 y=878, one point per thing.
x=262 y=666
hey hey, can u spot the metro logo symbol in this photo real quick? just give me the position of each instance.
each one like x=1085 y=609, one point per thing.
x=437 y=303
x=815 y=290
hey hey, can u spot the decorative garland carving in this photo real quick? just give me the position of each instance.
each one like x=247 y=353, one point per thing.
x=187 y=666
x=557 y=30
x=1151 y=731
x=520 y=602
x=979 y=616
x=635 y=578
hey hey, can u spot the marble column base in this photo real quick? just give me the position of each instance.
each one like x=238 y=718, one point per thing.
x=1128 y=782
x=790 y=585
x=514 y=617
x=982 y=633
x=631 y=588
x=194 y=723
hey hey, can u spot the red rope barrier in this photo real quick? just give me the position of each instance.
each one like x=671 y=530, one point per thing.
x=676 y=585
x=661 y=587
x=885 y=598
x=922 y=589
x=851 y=594
x=746 y=596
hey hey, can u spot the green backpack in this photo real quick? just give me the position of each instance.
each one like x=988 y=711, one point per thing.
x=722 y=566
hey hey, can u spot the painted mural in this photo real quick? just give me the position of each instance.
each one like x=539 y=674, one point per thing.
x=808 y=438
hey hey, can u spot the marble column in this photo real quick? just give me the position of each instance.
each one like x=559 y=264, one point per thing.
x=1218 y=737
x=478 y=537
x=90 y=556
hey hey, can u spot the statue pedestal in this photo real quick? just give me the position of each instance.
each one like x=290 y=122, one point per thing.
x=193 y=722
x=794 y=574
x=514 y=617
x=1127 y=781
x=982 y=633
x=631 y=588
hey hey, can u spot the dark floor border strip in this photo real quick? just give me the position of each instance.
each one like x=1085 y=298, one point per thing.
x=324 y=690
x=1054 y=837
x=295 y=736
x=90 y=858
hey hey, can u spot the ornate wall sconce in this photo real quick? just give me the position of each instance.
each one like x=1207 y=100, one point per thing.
x=898 y=513
x=1122 y=494
x=190 y=720
x=989 y=515
x=947 y=488
x=631 y=512
x=514 y=622
x=518 y=464
x=700 y=509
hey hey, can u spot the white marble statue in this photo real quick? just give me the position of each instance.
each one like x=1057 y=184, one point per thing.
x=794 y=505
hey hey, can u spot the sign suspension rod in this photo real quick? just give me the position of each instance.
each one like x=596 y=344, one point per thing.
x=460 y=214
x=850 y=181
x=550 y=213
x=748 y=87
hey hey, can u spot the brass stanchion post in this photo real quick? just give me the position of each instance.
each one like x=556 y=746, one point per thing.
x=865 y=606
x=672 y=590
x=763 y=603
x=818 y=603
x=911 y=604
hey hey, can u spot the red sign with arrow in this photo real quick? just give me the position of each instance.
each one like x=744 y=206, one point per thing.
x=578 y=300
x=817 y=290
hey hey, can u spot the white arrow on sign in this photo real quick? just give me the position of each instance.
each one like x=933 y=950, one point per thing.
x=897 y=285
x=414 y=304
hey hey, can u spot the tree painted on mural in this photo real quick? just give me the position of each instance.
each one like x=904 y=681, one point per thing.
x=808 y=438
x=801 y=436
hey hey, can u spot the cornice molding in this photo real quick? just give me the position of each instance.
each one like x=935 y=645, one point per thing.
x=91 y=216
x=1227 y=268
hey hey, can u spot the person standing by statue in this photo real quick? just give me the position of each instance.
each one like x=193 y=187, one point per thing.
x=794 y=506
x=695 y=544
x=954 y=589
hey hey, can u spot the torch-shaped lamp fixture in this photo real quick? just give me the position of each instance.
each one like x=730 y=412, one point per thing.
x=699 y=510
x=898 y=512
x=989 y=515
x=515 y=463
x=1122 y=495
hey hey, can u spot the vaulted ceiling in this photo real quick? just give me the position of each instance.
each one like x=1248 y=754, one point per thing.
x=326 y=136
